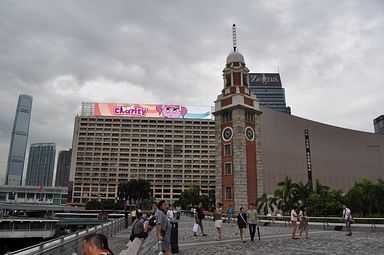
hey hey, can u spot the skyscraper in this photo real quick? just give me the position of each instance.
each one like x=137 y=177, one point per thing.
x=19 y=140
x=41 y=164
x=63 y=168
x=268 y=90
x=379 y=124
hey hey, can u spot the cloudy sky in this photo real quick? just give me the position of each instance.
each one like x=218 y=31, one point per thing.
x=330 y=55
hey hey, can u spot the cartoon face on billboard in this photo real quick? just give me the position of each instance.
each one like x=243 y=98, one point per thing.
x=171 y=110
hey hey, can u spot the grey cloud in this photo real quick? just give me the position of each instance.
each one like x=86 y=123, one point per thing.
x=329 y=54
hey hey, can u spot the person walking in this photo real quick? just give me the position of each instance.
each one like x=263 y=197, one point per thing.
x=229 y=214
x=218 y=219
x=294 y=222
x=347 y=216
x=252 y=220
x=199 y=216
x=303 y=216
x=163 y=227
x=242 y=223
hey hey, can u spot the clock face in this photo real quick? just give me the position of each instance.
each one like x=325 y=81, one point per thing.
x=249 y=134
x=227 y=134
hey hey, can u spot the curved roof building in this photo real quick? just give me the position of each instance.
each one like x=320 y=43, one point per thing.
x=339 y=156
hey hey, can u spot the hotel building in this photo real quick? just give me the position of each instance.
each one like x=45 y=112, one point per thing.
x=171 y=146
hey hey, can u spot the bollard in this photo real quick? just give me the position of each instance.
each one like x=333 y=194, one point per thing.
x=174 y=236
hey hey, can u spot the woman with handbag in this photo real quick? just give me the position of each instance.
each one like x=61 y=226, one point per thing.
x=242 y=223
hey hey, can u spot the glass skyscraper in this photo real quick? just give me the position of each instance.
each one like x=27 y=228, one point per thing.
x=63 y=168
x=41 y=163
x=19 y=140
x=268 y=90
x=379 y=124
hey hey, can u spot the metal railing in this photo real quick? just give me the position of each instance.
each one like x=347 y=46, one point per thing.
x=71 y=244
x=372 y=223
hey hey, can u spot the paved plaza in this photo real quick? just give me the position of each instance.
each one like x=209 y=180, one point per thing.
x=275 y=239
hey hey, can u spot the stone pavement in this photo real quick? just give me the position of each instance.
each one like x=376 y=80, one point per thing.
x=119 y=241
x=277 y=240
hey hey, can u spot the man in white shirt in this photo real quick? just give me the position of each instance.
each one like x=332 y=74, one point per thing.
x=347 y=216
x=170 y=214
x=294 y=222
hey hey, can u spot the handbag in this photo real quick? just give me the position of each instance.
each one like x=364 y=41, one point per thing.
x=195 y=227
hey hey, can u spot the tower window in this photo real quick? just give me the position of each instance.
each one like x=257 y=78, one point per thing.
x=228 y=193
x=227 y=150
x=228 y=168
x=249 y=117
x=226 y=117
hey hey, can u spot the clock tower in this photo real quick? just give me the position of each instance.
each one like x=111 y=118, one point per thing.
x=239 y=178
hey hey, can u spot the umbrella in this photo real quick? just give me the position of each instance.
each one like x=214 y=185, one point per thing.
x=258 y=232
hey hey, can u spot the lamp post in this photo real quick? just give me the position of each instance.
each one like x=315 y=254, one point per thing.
x=125 y=212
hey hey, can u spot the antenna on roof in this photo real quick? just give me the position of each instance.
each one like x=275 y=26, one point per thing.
x=234 y=37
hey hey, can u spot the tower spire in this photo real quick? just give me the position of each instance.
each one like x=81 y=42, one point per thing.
x=234 y=37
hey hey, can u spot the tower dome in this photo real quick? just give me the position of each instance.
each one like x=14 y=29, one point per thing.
x=235 y=56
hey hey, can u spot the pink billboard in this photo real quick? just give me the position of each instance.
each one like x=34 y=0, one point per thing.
x=146 y=110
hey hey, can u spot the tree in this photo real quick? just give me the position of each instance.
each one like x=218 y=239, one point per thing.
x=265 y=204
x=361 y=198
x=134 y=190
x=93 y=204
x=285 y=193
x=301 y=193
x=189 y=197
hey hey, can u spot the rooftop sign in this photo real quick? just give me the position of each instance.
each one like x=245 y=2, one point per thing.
x=173 y=111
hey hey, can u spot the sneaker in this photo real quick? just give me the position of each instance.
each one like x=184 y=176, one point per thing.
x=194 y=234
x=204 y=234
x=349 y=234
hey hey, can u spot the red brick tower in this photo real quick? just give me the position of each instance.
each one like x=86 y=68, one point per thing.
x=238 y=149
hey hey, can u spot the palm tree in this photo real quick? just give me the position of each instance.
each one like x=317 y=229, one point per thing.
x=134 y=190
x=301 y=192
x=285 y=192
x=262 y=204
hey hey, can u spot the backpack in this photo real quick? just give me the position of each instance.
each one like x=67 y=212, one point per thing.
x=152 y=221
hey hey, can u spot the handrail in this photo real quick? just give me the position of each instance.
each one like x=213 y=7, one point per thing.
x=73 y=237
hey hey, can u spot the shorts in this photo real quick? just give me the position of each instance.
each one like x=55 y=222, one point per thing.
x=348 y=223
x=165 y=244
x=218 y=223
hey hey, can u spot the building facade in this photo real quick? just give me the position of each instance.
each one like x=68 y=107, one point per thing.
x=19 y=138
x=339 y=156
x=238 y=149
x=41 y=164
x=34 y=195
x=63 y=168
x=379 y=124
x=172 y=146
x=269 y=91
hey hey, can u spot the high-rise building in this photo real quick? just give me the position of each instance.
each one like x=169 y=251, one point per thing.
x=171 y=146
x=19 y=140
x=269 y=91
x=63 y=168
x=41 y=163
x=379 y=124
x=239 y=178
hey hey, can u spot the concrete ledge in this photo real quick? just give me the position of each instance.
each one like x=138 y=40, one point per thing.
x=133 y=247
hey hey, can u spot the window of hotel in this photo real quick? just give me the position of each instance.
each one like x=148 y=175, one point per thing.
x=228 y=168
x=228 y=193
x=227 y=150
